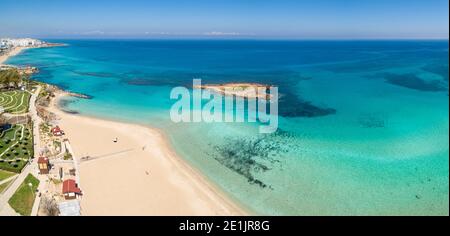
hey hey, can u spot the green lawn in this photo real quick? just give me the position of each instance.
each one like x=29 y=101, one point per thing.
x=10 y=135
x=15 y=102
x=4 y=186
x=16 y=147
x=23 y=199
x=5 y=174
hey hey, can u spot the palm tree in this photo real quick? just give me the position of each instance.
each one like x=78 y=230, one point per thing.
x=15 y=77
x=25 y=79
x=10 y=76
x=4 y=78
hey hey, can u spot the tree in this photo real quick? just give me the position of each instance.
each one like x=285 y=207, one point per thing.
x=49 y=206
x=3 y=119
x=10 y=76
x=15 y=77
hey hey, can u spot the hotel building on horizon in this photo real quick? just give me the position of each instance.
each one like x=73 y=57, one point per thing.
x=19 y=42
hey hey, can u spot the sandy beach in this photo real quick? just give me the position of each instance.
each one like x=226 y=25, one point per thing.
x=13 y=52
x=16 y=50
x=137 y=175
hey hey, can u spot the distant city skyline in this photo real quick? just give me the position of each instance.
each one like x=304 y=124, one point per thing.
x=263 y=19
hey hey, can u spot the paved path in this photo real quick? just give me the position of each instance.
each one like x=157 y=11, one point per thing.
x=37 y=145
x=62 y=153
x=75 y=162
x=7 y=179
x=5 y=209
x=36 y=120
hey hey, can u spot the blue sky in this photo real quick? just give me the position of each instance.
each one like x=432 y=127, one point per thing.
x=292 y=19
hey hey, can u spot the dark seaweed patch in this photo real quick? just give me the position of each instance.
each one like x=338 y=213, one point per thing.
x=248 y=156
x=95 y=74
x=299 y=108
x=439 y=69
x=64 y=103
x=357 y=66
x=70 y=111
x=414 y=82
x=290 y=105
x=151 y=82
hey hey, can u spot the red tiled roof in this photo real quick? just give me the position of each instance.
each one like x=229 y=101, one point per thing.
x=42 y=160
x=69 y=186
x=56 y=129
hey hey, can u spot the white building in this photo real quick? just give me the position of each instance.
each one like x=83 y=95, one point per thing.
x=3 y=43
x=20 y=42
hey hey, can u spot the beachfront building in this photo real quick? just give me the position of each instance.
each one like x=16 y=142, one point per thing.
x=70 y=189
x=3 y=43
x=3 y=46
x=20 y=42
x=56 y=131
x=44 y=165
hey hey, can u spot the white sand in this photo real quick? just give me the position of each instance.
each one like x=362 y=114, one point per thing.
x=128 y=179
x=13 y=52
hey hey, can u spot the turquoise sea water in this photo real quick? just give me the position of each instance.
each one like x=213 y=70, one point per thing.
x=364 y=126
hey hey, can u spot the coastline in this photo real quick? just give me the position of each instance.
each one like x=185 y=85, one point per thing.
x=161 y=182
x=265 y=205
x=15 y=51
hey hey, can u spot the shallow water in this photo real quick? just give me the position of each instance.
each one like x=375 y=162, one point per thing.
x=364 y=126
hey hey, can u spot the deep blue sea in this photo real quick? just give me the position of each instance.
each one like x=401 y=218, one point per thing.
x=364 y=126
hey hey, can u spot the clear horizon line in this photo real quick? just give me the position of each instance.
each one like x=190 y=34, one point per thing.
x=248 y=38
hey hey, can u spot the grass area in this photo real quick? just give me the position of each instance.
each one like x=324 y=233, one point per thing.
x=15 y=102
x=4 y=186
x=67 y=156
x=57 y=144
x=44 y=92
x=23 y=199
x=5 y=174
x=16 y=147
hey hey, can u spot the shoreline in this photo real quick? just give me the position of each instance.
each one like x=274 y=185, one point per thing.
x=15 y=51
x=186 y=190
